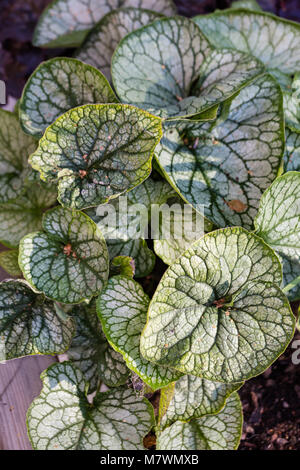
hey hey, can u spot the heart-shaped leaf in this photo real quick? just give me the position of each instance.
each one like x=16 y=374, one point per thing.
x=291 y=102
x=223 y=171
x=55 y=87
x=218 y=312
x=9 y=262
x=97 y=152
x=278 y=224
x=194 y=397
x=92 y=354
x=15 y=148
x=62 y=418
x=217 y=432
x=122 y=308
x=292 y=150
x=69 y=260
x=159 y=78
x=24 y=215
x=65 y=23
x=100 y=44
x=273 y=40
x=29 y=323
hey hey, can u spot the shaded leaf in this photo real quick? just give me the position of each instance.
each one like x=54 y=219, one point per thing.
x=278 y=224
x=291 y=103
x=91 y=353
x=29 y=323
x=97 y=152
x=101 y=42
x=9 y=262
x=218 y=312
x=223 y=171
x=122 y=308
x=55 y=87
x=218 y=432
x=68 y=261
x=117 y=420
x=248 y=4
x=65 y=23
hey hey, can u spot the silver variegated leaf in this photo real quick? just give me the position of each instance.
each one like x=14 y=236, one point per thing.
x=292 y=150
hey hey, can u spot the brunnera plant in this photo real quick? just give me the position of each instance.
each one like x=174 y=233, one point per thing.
x=203 y=112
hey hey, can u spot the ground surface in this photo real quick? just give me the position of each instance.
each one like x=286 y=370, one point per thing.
x=270 y=401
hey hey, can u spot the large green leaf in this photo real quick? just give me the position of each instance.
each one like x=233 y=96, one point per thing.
x=29 y=323
x=278 y=223
x=65 y=23
x=92 y=354
x=291 y=102
x=227 y=168
x=97 y=152
x=292 y=150
x=24 y=215
x=122 y=308
x=219 y=432
x=100 y=44
x=273 y=40
x=194 y=397
x=218 y=312
x=156 y=66
x=55 y=87
x=69 y=260
x=9 y=262
x=62 y=418
x=15 y=148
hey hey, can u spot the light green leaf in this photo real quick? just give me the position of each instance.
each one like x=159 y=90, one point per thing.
x=65 y=23
x=97 y=152
x=194 y=397
x=218 y=432
x=278 y=224
x=144 y=258
x=9 y=262
x=24 y=215
x=223 y=171
x=247 y=4
x=272 y=40
x=122 y=265
x=55 y=87
x=92 y=354
x=100 y=44
x=69 y=260
x=62 y=419
x=15 y=148
x=156 y=66
x=122 y=308
x=29 y=323
x=292 y=150
x=291 y=103
x=218 y=312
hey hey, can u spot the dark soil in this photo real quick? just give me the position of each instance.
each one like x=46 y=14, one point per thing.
x=271 y=400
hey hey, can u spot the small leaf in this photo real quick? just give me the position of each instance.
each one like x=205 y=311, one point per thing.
x=65 y=23
x=223 y=171
x=255 y=33
x=218 y=312
x=292 y=151
x=55 y=87
x=69 y=260
x=117 y=420
x=97 y=152
x=15 y=148
x=122 y=308
x=247 y=4
x=24 y=215
x=9 y=262
x=99 y=46
x=29 y=323
x=194 y=397
x=218 y=432
x=91 y=353
x=156 y=66
x=278 y=224
x=123 y=265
